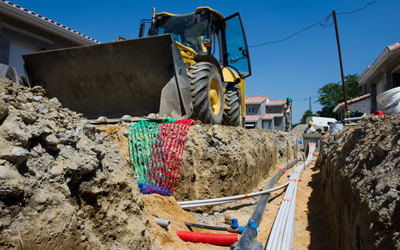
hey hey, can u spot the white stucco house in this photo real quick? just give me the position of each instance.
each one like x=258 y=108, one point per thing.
x=263 y=113
x=24 y=32
x=382 y=75
x=359 y=106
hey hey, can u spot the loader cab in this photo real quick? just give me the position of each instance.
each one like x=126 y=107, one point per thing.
x=206 y=35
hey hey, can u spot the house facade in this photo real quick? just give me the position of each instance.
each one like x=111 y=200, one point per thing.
x=24 y=32
x=263 y=113
x=382 y=75
x=359 y=105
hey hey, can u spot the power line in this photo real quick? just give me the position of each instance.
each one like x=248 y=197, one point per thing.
x=304 y=99
x=323 y=22
x=284 y=39
x=354 y=11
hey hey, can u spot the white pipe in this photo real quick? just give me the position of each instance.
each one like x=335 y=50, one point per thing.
x=280 y=218
x=184 y=204
x=162 y=222
x=282 y=233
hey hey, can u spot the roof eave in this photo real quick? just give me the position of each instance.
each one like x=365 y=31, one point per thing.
x=43 y=24
x=373 y=70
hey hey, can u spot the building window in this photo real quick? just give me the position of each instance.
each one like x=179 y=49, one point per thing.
x=250 y=110
x=396 y=80
x=373 y=98
x=278 y=122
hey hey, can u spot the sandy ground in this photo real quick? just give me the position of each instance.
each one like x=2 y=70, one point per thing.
x=311 y=227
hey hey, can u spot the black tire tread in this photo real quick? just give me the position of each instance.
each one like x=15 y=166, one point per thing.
x=233 y=116
x=199 y=76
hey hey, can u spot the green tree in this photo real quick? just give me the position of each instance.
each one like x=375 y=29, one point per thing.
x=331 y=94
x=305 y=115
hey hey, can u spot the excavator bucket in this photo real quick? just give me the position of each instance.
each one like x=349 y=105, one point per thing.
x=132 y=77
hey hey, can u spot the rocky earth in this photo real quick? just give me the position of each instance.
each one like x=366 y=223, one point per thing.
x=62 y=183
x=220 y=162
x=360 y=168
x=65 y=183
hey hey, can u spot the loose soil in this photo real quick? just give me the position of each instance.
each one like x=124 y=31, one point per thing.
x=312 y=229
x=65 y=183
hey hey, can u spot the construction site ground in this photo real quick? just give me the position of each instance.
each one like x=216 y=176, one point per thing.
x=69 y=184
x=312 y=227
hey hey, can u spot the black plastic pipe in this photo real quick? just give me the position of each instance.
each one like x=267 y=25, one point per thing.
x=250 y=233
x=189 y=225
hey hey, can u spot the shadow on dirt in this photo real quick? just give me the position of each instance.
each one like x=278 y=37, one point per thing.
x=318 y=219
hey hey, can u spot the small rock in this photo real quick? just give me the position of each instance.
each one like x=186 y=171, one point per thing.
x=28 y=117
x=126 y=118
x=39 y=149
x=152 y=116
x=6 y=98
x=90 y=132
x=228 y=219
x=51 y=141
x=55 y=100
x=101 y=119
x=39 y=90
x=11 y=188
x=38 y=98
x=28 y=107
x=7 y=172
x=12 y=132
x=3 y=109
x=42 y=108
x=21 y=98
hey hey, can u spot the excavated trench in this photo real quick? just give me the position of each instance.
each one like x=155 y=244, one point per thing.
x=65 y=183
x=360 y=176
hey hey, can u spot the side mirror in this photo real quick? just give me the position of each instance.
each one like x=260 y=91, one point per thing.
x=207 y=43
x=141 y=29
x=244 y=51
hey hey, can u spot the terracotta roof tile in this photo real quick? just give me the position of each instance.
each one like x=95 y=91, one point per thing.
x=255 y=99
x=355 y=99
x=351 y=101
x=47 y=19
x=275 y=102
x=271 y=116
x=389 y=48
x=252 y=118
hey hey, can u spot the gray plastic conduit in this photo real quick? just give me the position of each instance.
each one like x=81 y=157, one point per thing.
x=216 y=201
x=250 y=233
x=282 y=232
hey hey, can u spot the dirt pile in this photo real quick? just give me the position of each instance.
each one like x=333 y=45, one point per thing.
x=220 y=161
x=360 y=169
x=62 y=183
x=65 y=183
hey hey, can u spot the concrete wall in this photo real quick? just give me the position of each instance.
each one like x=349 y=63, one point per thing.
x=279 y=123
x=360 y=106
x=274 y=109
x=267 y=124
x=377 y=86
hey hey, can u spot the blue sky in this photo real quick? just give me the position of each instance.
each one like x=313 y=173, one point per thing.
x=297 y=67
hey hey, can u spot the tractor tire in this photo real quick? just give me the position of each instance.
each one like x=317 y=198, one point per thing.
x=207 y=93
x=234 y=115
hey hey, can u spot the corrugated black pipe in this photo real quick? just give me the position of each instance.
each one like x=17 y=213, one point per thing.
x=249 y=233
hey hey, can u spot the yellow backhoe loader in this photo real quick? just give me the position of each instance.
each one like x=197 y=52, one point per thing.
x=191 y=66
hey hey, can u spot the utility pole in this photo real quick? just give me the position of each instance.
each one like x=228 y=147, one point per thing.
x=310 y=104
x=340 y=60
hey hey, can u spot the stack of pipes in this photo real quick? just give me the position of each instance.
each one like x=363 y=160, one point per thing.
x=282 y=233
